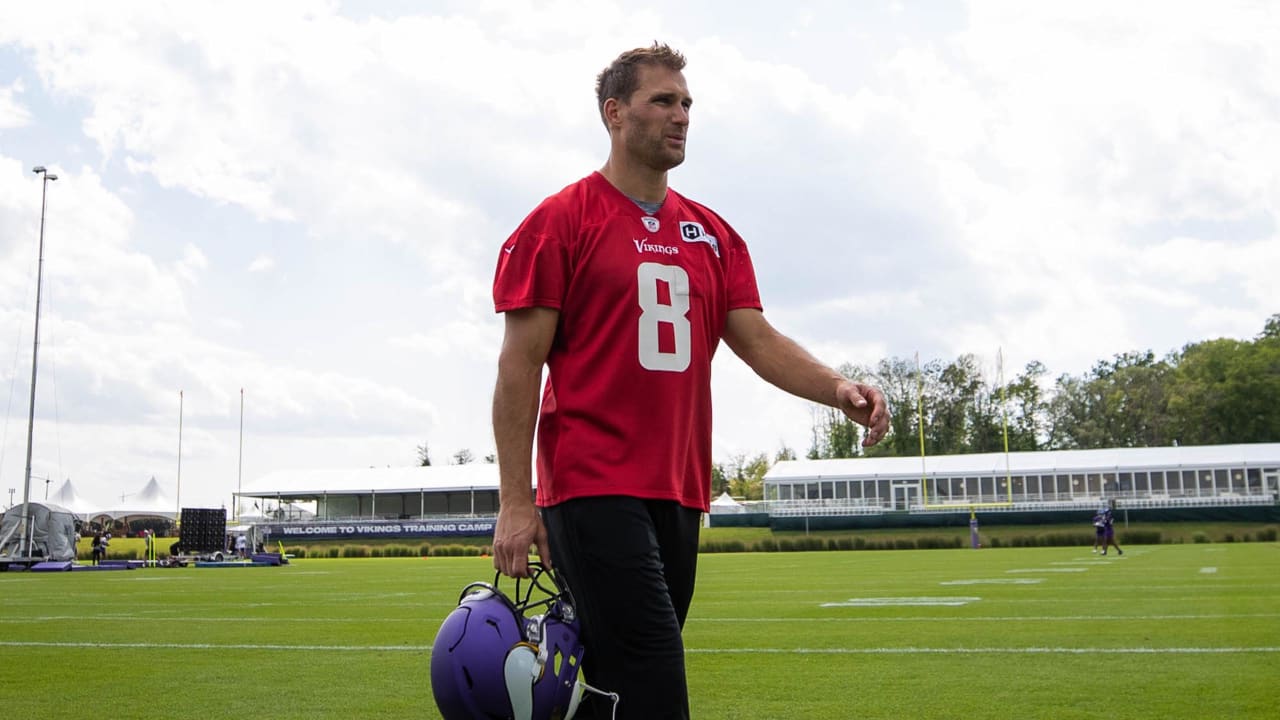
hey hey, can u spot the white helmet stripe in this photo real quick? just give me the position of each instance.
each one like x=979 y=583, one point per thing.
x=519 y=671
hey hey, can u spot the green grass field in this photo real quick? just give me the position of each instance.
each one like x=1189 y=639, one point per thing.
x=1168 y=631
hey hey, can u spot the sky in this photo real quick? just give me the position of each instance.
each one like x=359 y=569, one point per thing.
x=272 y=238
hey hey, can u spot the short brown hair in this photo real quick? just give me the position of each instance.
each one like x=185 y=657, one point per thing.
x=620 y=79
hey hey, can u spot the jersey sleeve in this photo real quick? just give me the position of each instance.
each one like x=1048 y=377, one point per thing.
x=741 y=290
x=740 y=277
x=534 y=263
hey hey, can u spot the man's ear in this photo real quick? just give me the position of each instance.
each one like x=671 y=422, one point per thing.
x=612 y=112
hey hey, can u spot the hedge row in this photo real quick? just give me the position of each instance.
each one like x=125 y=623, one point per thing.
x=812 y=543
x=1060 y=539
x=367 y=551
x=803 y=544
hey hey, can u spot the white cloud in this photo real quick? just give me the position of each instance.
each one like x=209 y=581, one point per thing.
x=261 y=263
x=305 y=200
x=12 y=113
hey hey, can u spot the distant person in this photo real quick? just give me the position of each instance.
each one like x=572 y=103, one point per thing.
x=1099 y=530
x=242 y=546
x=97 y=548
x=1109 y=533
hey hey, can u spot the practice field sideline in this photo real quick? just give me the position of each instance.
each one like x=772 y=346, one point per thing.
x=993 y=633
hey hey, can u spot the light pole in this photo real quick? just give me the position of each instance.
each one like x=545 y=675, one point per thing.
x=46 y=177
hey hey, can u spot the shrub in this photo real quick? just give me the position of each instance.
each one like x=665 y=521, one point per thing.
x=1141 y=537
x=1267 y=535
x=934 y=542
x=334 y=552
x=424 y=550
x=455 y=551
x=297 y=552
x=1199 y=538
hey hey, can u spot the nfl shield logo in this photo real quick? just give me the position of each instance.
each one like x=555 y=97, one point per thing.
x=650 y=223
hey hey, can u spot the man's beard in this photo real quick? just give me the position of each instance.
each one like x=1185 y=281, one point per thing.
x=662 y=158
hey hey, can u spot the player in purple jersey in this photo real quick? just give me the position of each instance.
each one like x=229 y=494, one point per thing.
x=1099 y=530
x=1109 y=533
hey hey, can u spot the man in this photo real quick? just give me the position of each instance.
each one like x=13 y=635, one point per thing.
x=1109 y=532
x=623 y=289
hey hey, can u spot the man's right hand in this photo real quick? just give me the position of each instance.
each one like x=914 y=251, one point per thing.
x=519 y=527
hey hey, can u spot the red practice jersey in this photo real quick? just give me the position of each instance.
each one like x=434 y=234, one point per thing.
x=643 y=301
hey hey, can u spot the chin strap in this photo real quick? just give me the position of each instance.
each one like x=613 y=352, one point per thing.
x=611 y=695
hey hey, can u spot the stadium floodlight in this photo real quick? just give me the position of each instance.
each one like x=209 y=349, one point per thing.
x=38 y=169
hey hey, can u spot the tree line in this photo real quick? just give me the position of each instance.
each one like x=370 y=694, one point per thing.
x=1208 y=393
x=1213 y=392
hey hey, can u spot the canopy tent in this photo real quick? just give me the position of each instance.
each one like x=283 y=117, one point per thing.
x=726 y=504
x=68 y=498
x=411 y=491
x=150 y=501
x=53 y=535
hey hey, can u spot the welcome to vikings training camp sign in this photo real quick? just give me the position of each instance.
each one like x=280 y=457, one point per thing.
x=382 y=529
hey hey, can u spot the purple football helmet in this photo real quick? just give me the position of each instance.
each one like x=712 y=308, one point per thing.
x=495 y=658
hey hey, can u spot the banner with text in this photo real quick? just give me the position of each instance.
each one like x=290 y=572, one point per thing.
x=366 y=529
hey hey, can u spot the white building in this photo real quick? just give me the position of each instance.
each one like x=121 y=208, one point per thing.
x=1170 y=476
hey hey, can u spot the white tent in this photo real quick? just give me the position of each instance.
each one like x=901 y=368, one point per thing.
x=726 y=504
x=68 y=498
x=53 y=535
x=150 y=501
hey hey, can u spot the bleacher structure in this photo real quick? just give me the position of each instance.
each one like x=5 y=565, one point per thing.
x=1221 y=482
x=1200 y=482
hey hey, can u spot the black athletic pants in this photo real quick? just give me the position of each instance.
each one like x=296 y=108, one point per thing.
x=630 y=564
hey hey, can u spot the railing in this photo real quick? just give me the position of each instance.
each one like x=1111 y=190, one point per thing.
x=793 y=508
x=821 y=507
x=381 y=517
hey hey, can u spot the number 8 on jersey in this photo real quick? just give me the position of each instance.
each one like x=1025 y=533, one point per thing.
x=658 y=283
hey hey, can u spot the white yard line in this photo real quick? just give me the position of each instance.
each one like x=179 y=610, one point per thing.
x=694 y=650
x=985 y=618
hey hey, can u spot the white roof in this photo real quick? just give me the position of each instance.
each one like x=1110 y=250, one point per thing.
x=317 y=482
x=1024 y=463
x=68 y=498
x=149 y=501
x=725 y=500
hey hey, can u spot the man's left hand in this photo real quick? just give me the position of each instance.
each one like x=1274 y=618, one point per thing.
x=866 y=406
